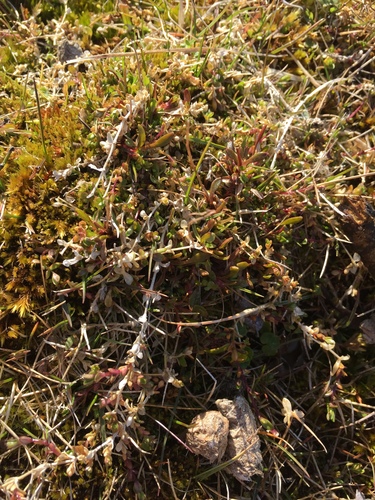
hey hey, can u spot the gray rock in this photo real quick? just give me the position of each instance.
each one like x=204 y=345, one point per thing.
x=68 y=51
x=242 y=439
x=208 y=435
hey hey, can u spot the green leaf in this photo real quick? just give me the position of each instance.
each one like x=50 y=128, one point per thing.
x=271 y=343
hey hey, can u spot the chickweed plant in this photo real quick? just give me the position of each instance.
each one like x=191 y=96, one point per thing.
x=174 y=228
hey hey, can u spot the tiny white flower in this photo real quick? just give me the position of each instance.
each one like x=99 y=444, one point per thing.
x=70 y=262
x=136 y=349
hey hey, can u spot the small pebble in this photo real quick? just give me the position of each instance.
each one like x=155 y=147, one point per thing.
x=208 y=435
x=243 y=438
x=227 y=433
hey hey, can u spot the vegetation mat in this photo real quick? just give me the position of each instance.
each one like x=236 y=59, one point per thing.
x=186 y=218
